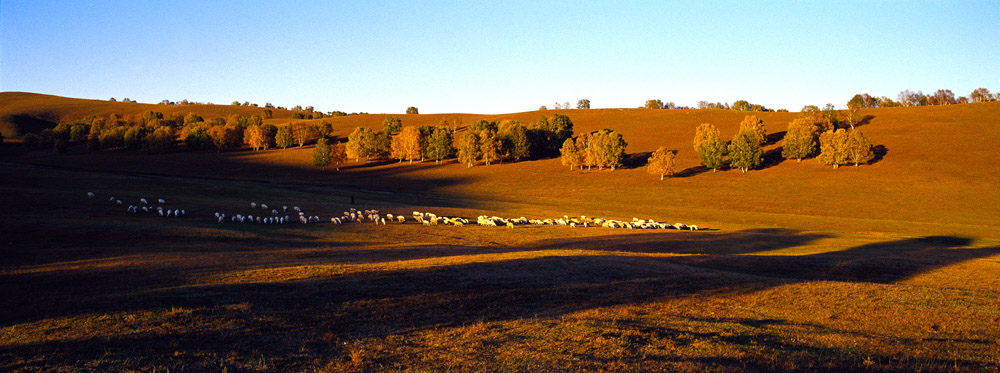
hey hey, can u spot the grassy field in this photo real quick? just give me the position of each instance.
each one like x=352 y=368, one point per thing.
x=889 y=266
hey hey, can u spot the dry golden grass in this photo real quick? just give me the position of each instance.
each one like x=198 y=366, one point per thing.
x=888 y=267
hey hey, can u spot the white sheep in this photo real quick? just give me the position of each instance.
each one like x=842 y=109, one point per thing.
x=693 y=227
x=161 y=201
x=90 y=194
x=118 y=201
x=112 y=199
x=284 y=208
x=302 y=219
x=263 y=206
x=274 y=212
x=401 y=218
x=253 y=205
x=143 y=201
x=221 y=216
x=383 y=221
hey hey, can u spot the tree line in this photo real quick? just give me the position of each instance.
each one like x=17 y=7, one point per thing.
x=918 y=98
x=810 y=135
x=483 y=141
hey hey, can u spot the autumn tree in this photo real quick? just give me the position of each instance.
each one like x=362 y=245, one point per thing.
x=338 y=155
x=704 y=132
x=583 y=104
x=254 y=137
x=489 y=147
x=859 y=149
x=755 y=126
x=570 y=155
x=359 y=143
x=980 y=95
x=302 y=132
x=161 y=140
x=321 y=154
x=745 y=151
x=833 y=148
x=412 y=110
x=661 y=162
x=741 y=105
x=653 y=104
x=439 y=145
x=468 y=148
x=406 y=145
x=284 y=137
x=800 y=139
x=225 y=137
x=608 y=149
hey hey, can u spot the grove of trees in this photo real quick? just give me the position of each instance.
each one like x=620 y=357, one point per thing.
x=603 y=149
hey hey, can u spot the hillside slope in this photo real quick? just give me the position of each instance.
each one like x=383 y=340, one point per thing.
x=935 y=176
x=30 y=112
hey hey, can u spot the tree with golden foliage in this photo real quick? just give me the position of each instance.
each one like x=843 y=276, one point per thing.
x=661 y=162
x=303 y=133
x=710 y=147
x=583 y=150
x=833 y=148
x=489 y=147
x=338 y=155
x=359 y=143
x=570 y=155
x=407 y=145
x=254 y=136
x=468 y=149
x=859 y=149
x=284 y=137
x=704 y=132
x=755 y=126
x=800 y=139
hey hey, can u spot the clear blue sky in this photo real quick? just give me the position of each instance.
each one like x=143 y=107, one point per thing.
x=478 y=57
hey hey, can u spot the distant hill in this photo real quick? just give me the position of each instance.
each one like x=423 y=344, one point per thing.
x=22 y=112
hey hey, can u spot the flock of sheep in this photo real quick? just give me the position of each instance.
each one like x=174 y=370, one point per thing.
x=144 y=206
x=263 y=214
x=267 y=215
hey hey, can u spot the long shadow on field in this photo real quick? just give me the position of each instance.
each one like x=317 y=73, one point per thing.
x=282 y=317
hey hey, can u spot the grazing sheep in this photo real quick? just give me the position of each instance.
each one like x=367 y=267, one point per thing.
x=90 y=194
x=112 y=199
x=118 y=201
x=383 y=221
x=401 y=218
x=390 y=217
x=274 y=212
x=161 y=201
x=693 y=227
x=221 y=216
x=296 y=208
x=253 y=205
x=143 y=201
x=510 y=225
x=263 y=206
x=284 y=208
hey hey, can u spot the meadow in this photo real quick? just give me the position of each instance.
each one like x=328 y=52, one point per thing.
x=891 y=266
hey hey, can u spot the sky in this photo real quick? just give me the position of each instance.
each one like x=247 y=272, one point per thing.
x=497 y=57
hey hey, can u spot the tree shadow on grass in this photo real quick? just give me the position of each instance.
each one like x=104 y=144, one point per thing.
x=773 y=138
x=880 y=151
x=692 y=171
x=636 y=160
